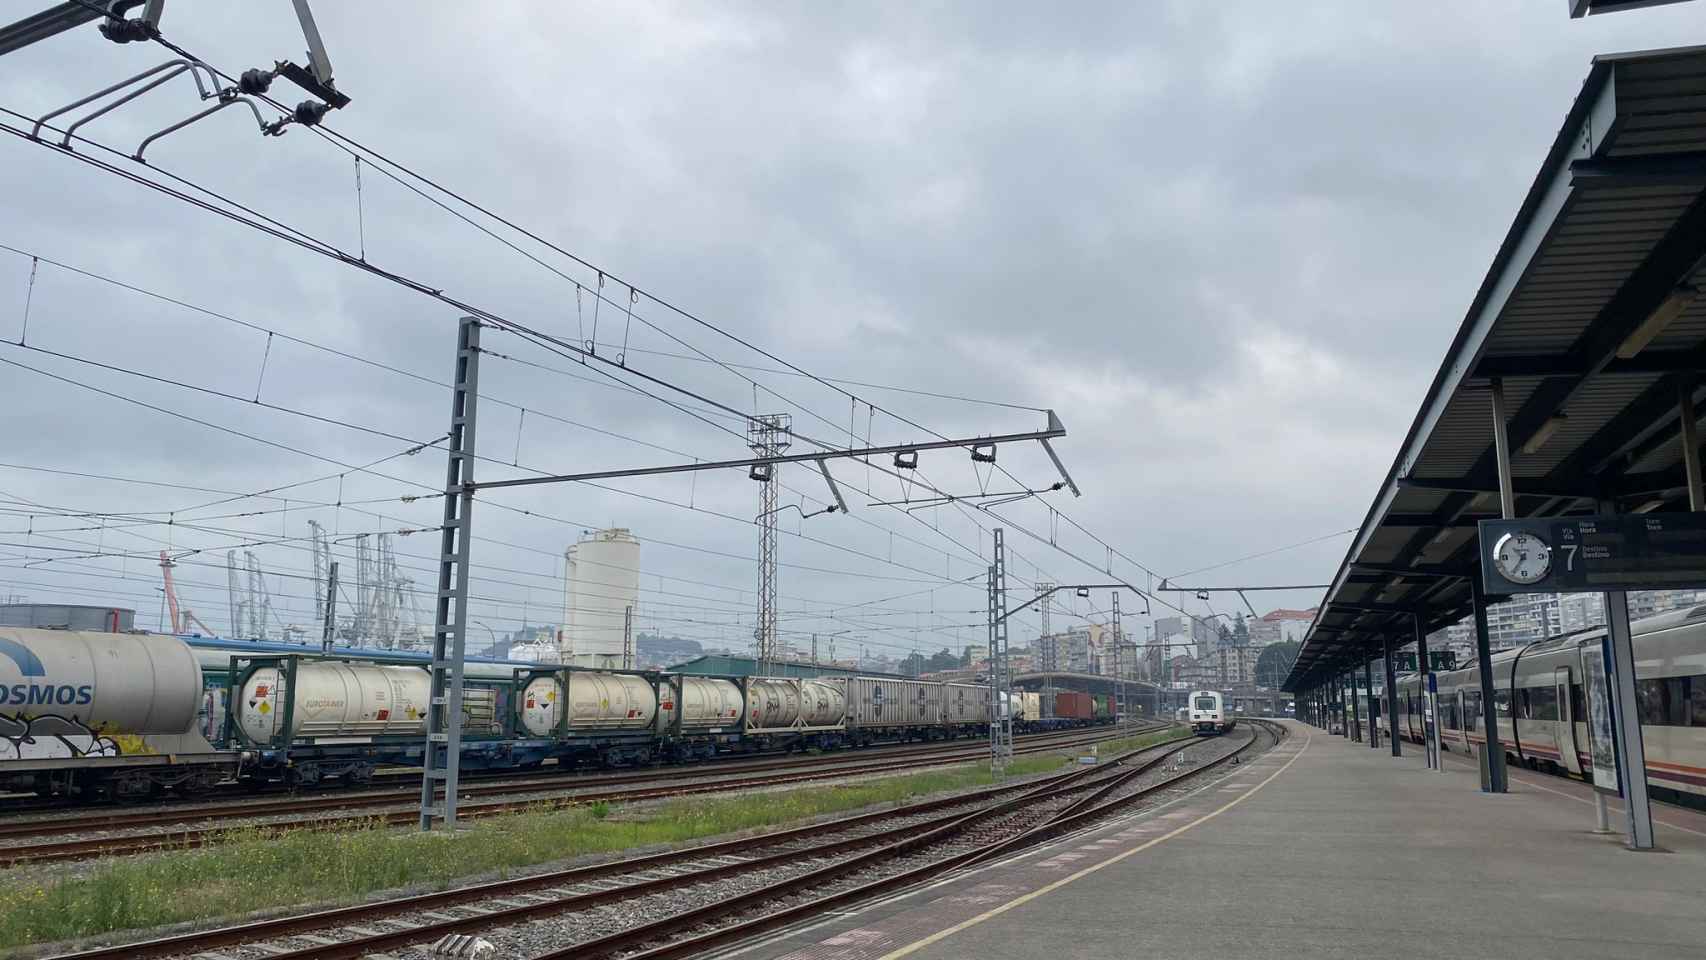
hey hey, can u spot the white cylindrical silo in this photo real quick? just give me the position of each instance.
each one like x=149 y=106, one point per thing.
x=603 y=585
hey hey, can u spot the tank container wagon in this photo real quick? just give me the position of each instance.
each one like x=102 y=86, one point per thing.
x=92 y=715
x=126 y=715
x=793 y=713
x=1541 y=704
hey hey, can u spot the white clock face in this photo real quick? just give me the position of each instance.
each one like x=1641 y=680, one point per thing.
x=1522 y=558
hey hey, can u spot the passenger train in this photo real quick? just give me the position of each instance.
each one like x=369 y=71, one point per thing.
x=1209 y=713
x=1542 y=707
x=129 y=716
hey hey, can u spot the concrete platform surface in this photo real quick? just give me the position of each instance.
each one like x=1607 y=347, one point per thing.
x=1320 y=849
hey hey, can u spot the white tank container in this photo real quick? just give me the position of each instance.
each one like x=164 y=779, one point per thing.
x=706 y=704
x=603 y=701
x=335 y=699
x=541 y=706
x=771 y=703
x=603 y=583
x=823 y=703
x=109 y=682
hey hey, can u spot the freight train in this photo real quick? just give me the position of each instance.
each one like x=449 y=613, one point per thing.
x=131 y=716
x=1541 y=705
x=1069 y=709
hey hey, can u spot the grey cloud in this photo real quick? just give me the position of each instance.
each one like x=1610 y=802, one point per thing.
x=1227 y=241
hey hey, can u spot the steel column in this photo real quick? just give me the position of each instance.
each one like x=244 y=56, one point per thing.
x=441 y=761
x=1494 y=747
x=1690 y=444
x=1626 y=716
x=1502 y=452
x=1392 y=728
x=1344 y=708
x=1423 y=667
x=1373 y=714
x=1355 y=731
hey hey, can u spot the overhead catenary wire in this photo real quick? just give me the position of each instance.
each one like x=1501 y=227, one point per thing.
x=226 y=395
x=661 y=302
x=275 y=228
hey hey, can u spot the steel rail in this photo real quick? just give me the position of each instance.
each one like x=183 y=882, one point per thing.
x=203 y=836
x=496 y=787
x=632 y=942
x=189 y=943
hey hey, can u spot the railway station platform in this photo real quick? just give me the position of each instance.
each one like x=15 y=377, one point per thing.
x=1321 y=848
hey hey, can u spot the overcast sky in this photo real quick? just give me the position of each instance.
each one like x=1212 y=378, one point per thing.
x=1227 y=242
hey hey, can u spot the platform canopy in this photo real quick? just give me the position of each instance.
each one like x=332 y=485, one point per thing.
x=1589 y=317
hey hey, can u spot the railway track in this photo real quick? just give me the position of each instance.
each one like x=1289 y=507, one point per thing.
x=745 y=886
x=353 y=810
x=406 y=781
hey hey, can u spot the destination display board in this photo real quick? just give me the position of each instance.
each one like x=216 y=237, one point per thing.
x=1632 y=551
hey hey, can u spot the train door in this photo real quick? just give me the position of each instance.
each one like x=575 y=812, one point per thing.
x=1466 y=719
x=1564 y=728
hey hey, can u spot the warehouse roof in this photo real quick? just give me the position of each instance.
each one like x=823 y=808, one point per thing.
x=729 y=665
x=1587 y=317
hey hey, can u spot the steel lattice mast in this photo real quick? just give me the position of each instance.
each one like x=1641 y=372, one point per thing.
x=1001 y=674
x=768 y=436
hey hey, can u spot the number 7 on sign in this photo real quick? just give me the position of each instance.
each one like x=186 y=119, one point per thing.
x=1569 y=556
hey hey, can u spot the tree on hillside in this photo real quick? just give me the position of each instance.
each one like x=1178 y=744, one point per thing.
x=1274 y=664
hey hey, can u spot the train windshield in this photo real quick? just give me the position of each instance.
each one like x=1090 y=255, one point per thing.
x=1205 y=703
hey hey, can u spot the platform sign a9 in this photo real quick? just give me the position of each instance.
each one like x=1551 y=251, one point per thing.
x=1635 y=551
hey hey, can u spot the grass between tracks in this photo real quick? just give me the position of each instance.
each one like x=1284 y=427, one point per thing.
x=257 y=868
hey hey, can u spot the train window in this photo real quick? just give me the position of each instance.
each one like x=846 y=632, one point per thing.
x=1578 y=703
x=1472 y=710
x=1524 y=709
x=1539 y=703
x=1662 y=702
x=1502 y=702
x=1697 y=700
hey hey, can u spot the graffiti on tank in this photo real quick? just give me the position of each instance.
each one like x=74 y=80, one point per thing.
x=51 y=737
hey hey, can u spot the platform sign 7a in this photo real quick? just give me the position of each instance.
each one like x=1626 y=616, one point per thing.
x=1632 y=551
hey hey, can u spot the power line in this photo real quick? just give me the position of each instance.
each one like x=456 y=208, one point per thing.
x=275 y=228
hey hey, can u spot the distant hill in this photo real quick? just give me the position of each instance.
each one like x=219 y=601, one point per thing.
x=653 y=649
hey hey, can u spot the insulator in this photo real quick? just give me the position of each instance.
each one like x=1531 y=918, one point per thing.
x=310 y=112
x=125 y=31
x=255 y=82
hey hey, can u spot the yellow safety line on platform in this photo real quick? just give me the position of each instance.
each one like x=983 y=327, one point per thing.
x=941 y=935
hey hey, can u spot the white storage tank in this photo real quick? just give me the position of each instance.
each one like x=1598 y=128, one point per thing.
x=707 y=704
x=603 y=584
x=823 y=703
x=335 y=699
x=109 y=682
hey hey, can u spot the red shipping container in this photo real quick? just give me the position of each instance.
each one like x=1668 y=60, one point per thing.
x=1074 y=706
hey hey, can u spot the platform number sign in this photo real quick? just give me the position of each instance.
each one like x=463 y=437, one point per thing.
x=1634 y=551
